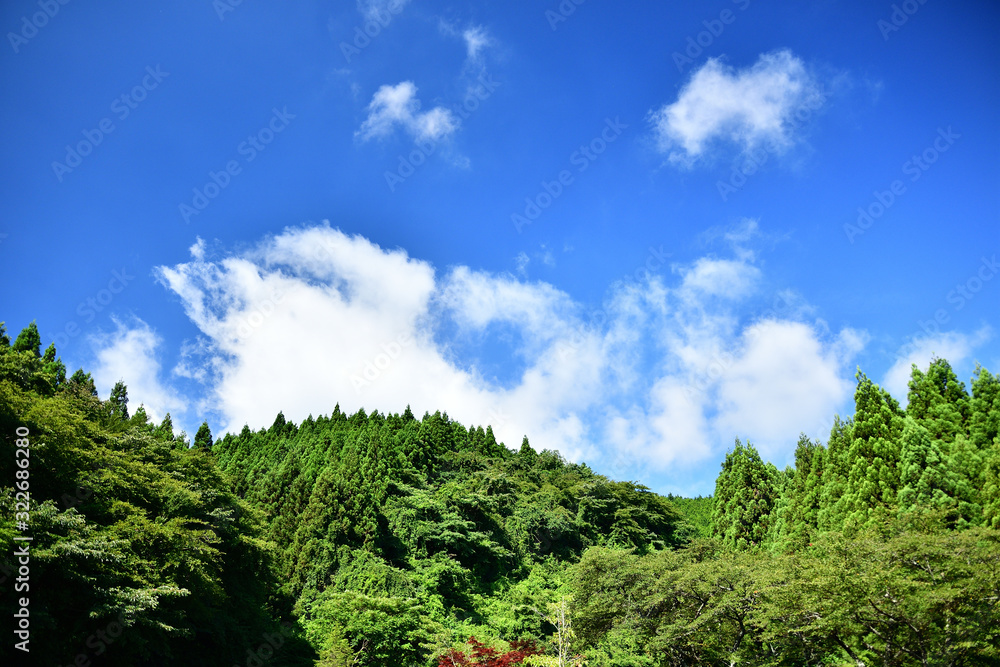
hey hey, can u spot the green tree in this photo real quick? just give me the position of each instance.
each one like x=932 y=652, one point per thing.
x=745 y=495
x=165 y=431
x=82 y=382
x=53 y=366
x=203 y=438
x=937 y=400
x=984 y=433
x=29 y=340
x=872 y=484
x=799 y=516
x=929 y=480
x=836 y=467
x=118 y=401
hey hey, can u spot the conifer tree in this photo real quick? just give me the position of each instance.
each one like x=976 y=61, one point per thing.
x=203 y=438
x=118 y=400
x=83 y=382
x=745 y=495
x=834 y=480
x=140 y=420
x=984 y=433
x=984 y=418
x=799 y=515
x=929 y=480
x=937 y=400
x=53 y=366
x=526 y=451
x=872 y=483
x=165 y=431
x=492 y=446
x=29 y=340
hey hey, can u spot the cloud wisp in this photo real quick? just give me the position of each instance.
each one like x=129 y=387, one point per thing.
x=374 y=10
x=747 y=108
x=397 y=106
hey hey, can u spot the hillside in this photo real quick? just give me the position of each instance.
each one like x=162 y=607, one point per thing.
x=389 y=540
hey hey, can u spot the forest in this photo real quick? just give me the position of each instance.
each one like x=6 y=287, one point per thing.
x=397 y=540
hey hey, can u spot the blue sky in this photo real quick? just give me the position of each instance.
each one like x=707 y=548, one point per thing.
x=633 y=231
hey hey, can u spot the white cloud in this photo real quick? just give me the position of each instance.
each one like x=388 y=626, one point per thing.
x=318 y=317
x=373 y=10
x=783 y=370
x=197 y=250
x=746 y=107
x=129 y=354
x=724 y=278
x=521 y=262
x=397 y=106
x=954 y=346
x=476 y=39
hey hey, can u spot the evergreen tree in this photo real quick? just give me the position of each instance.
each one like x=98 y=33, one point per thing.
x=984 y=418
x=937 y=400
x=53 y=366
x=83 y=383
x=119 y=401
x=929 y=480
x=872 y=484
x=203 y=438
x=29 y=340
x=165 y=431
x=493 y=448
x=984 y=434
x=799 y=515
x=836 y=467
x=140 y=420
x=4 y=338
x=745 y=495
x=526 y=451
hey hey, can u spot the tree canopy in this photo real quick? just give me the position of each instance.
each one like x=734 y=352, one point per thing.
x=387 y=540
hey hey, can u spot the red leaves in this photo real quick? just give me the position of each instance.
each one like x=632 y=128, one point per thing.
x=485 y=656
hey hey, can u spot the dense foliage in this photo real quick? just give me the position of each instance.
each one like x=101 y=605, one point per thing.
x=437 y=532
x=140 y=553
x=387 y=540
